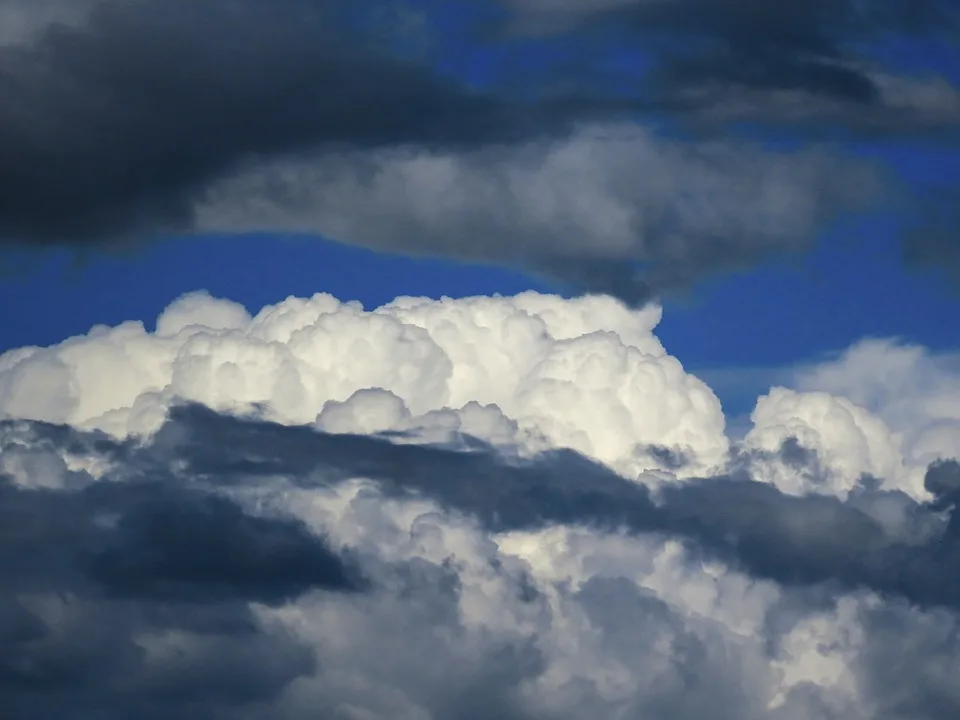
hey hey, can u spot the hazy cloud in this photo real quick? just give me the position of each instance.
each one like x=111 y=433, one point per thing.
x=809 y=63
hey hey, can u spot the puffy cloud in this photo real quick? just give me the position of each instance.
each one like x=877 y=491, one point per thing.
x=915 y=392
x=534 y=371
x=513 y=507
x=848 y=441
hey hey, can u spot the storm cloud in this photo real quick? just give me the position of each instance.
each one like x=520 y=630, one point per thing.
x=116 y=124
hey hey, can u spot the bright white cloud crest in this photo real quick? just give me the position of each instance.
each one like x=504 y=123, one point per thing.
x=553 y=623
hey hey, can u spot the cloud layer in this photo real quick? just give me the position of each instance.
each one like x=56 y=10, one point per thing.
x=514 y=507
x=125 y=120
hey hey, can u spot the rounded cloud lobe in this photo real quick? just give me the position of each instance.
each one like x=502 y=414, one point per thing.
x=490 y=507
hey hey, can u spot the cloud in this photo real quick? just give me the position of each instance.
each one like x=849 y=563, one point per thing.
x=520 y=507
x=122 y=121
x=808 y=64
x=916 y=392
x=842 y=70
x=748 y=526
x=610 y=208
x=805 y=540
x=512 y=369
x=111 y=124
x=134 y=596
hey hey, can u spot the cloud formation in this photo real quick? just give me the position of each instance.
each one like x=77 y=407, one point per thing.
x=806 y=64
x=513 y=507
x=126 y=120
x=115 y=123
x=608 y=208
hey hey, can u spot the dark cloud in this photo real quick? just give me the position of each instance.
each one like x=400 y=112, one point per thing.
x=908 y=661
x=130 y=595
x=882 y=541
x=115 y=126
x=153 y=541
x=836 y=70
x=151 y=118
x=799 y=63
x=87 y=659
x=89 y=570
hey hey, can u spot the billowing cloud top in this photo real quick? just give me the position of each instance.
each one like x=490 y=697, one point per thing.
x=492 y=507
x=124 y=120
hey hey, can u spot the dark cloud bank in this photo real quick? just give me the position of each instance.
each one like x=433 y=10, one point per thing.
x=114 y=129
x=157 y=546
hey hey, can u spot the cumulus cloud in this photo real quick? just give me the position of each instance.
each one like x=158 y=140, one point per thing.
x=914 y=391
x=513 y=507
x=515 y=366
x=127 y=120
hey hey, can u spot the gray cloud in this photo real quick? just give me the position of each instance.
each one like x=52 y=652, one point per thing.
x=134 y=119
x=92 y=571
x=163 y=546
x=111 y=125
x=795 y=64
x=882 y=541
x=155 y=541
x=812 y=70
x=610 y=208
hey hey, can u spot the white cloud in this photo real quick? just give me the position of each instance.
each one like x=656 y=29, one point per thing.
x=848 y=440
x=562 y=622
x=587 y=374
x=914 y=391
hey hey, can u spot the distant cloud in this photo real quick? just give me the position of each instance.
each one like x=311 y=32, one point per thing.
x=803 y=63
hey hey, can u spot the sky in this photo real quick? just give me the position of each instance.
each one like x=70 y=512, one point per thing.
x=533 y=359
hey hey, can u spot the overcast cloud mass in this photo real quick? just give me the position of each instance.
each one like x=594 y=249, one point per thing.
x=492 y=507
x=126 y=120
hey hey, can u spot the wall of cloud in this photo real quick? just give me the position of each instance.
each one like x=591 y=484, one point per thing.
x=517 y=507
